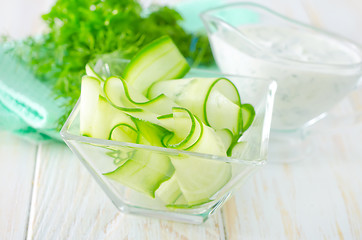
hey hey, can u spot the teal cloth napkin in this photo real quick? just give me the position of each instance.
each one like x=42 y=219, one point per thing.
x=27 y=106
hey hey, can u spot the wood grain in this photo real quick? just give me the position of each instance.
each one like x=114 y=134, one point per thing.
x=341 y=17
x=19 y=18
x=318 y=198
x=68 y=204
x=17 y=161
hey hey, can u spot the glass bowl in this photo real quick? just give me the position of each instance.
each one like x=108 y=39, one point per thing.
x=314 y=69
x=101 y=156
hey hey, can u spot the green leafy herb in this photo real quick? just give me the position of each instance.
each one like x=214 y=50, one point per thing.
x=83 y=30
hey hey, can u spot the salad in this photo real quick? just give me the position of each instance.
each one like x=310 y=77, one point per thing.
x=150 y=103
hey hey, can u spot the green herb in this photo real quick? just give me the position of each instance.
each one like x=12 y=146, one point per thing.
x=83 y=30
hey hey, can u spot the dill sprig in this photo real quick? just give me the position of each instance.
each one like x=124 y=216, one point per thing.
x=80 y=31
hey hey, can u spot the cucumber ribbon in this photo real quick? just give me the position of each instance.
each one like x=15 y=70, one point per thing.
x=153 y=105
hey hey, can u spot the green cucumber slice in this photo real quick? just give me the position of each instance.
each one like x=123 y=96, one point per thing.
x=215 y=101
x=126 y=98
x=90 y=90
x=222 y=107
x=239 y=148
x=157 y=61
x=181 y=203
x=186 y=129
x=199 y=179
x=102 y=117
x=188 y=93
x=226 y=137
x=248 y=114
x=209 y=143
x=123 y=132
x=144 y=172
x=90 y=72
x=169 y=191
x=150 y=134
x=105 y=117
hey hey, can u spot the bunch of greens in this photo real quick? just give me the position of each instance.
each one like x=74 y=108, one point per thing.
x=81 y=31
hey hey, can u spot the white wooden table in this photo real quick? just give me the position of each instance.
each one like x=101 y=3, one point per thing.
x=45 y=193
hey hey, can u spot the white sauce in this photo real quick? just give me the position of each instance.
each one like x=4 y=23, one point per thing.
x=304 y=91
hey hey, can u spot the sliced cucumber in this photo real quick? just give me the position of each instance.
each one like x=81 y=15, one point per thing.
x=186 y=129
x=147 y=169
x=90 y=90
x=188 y=93
x=151 y=106
x=199 y=178
x=181 y=203
x=90 y=72
x=209 y=142
x=226 y=137
x=145 y=116
x=215 y=101
x=157 y=61
x=144 y=172
x=126 y=98
x=102 y=117
x=239 y=149
x=188 y=133
x=150 y=134
x=105 y=117
x=123 y=132
x=169 y=191
x=222 y=107
x=248 y=113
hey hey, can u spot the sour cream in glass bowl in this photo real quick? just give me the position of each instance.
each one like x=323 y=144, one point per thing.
x=314 y=69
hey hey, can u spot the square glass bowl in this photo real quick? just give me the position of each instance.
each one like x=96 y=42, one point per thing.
x=101 y=156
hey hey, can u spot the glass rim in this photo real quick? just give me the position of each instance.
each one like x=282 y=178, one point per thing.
x=353 y=46
x=66 y=135
x=261 y=159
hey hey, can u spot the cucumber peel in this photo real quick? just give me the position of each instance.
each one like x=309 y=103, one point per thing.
x=248 y=115
x=158 y=60
x=186 y=129
x=90 y=72
x=123 y=132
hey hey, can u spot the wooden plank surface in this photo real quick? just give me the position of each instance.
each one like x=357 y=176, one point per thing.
x=342 y=17
x=68 y=204
x=19 y=18
x=45 y=193
x=17 y=161
x=317 y=198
